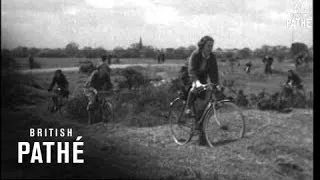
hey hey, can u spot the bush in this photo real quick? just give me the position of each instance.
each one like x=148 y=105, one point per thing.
x=87 y=67
x=76 y=107
x=146 y=107
x=134 y=79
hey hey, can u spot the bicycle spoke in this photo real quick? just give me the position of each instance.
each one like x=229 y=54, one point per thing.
x=181 y=125
x=224 y=124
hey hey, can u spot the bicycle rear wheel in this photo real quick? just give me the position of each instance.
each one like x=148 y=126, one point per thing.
x=224 y=123
x=62 y=105
x=180 y=124
x=50 y=105
x=107 y=112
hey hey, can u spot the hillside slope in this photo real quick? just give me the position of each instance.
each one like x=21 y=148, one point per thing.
x=277 y=146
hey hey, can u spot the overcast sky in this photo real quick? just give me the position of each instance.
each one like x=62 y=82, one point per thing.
x=160 y=23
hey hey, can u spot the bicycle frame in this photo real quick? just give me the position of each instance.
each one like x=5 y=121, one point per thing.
x=211 y=104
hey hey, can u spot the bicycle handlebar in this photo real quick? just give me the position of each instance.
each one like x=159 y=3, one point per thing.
x=109 y=91
x=210 y=85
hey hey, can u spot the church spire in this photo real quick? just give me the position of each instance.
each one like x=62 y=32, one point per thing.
x=140 y=43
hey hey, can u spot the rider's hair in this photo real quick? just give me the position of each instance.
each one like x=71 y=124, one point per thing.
x=203 y=41
x=58 y=71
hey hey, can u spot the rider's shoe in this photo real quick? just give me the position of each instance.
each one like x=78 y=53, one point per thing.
x=202 y=140
x=189 y=113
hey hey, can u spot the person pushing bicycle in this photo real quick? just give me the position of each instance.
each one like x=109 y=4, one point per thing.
x=99 y=80
x=293 y=82
x=201 y=64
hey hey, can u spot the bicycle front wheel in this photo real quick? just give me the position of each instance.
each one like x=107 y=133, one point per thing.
x=181 y=125
x=224 y=123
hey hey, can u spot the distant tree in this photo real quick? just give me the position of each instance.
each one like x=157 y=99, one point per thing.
x=72 y=48
x=99 y=51
x=244 y=53
x=219 y=49
x=180 y=53
x=191 y=48
x=135 y=46
x=229 y=54
x=150 y=51
x=52 y=53
x=20 y=51
x=297 y=48
x=119 y=52
x=33 y=51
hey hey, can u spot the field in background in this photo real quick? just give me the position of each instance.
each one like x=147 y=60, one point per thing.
x=250 y=83
x=72 y=62
x=253 y=82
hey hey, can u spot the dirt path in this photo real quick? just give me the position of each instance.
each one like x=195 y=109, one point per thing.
x=69 y=69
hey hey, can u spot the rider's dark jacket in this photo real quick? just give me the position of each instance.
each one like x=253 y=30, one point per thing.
x=61 y=81
x=99 y=83
x=295 y=79
x=200 y=68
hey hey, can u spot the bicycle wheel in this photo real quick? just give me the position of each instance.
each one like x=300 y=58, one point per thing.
x=180 y=124
x=223 y=123
x=50 y=105
x=107 y=112
x=61 y=105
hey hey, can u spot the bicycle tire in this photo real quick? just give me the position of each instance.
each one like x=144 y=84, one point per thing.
x=107 y=113
x=180 y=124
x=224 y=122
x=62 y=102
x=91 y=116
x=50 y=105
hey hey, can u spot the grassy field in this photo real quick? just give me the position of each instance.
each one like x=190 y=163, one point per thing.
x=72 y=62
x=138 y=144
x=250 y=83
x=254 y=82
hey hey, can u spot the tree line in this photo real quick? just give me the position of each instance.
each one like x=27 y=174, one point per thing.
x=135 y=50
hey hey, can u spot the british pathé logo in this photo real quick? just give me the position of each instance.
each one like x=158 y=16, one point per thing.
x=299 y=14
x=66 y=152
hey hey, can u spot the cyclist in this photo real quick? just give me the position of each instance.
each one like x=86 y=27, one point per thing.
x=201 y=64
x=104 y=63
x=60 y=79
x=293 y=82
x=99 y=80
x=31 y=62
x=268 y=60
x=248 y=66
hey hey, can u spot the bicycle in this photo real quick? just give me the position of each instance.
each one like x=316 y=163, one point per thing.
x=61 y=101
x=105 y=106
x=222 y=120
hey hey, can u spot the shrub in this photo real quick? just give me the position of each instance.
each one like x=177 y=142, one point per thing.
x=76 y=107
x=145 y=107
x=134 y=78
x=86 y=67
